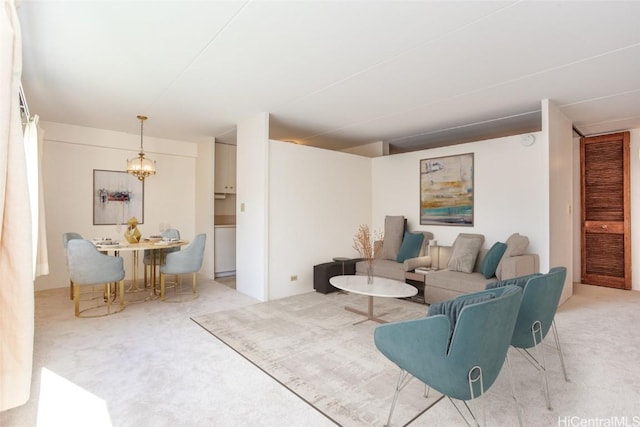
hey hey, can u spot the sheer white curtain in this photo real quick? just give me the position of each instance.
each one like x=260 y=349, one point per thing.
x=16 y=258
x=33 y=150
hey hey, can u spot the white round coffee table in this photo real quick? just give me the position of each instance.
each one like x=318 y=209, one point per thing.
x=381 y=287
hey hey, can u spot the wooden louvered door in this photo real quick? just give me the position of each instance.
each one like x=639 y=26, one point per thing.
x=606 y=228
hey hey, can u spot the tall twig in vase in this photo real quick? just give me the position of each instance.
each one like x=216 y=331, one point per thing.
x=365 y=243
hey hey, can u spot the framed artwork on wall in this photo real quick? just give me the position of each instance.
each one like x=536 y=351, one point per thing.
x=446 y=190
x=117 y=196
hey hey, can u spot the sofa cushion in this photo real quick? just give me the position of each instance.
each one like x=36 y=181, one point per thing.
x=456 y=281
x=464 y=253
x=410 y=248
x=492 y=259
x=516 y=281
x=516 y=245
x=393 y=233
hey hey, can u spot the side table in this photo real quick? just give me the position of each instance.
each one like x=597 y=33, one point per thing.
x=342 y=260
x=416 y=278
x=338 y=267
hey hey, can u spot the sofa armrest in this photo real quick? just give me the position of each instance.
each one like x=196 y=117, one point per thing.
x=520 y=265
x=413 y=263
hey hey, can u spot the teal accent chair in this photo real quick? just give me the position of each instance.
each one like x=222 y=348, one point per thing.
x=538 y=308
x=88 y=266
x=65 y=240
x=461 y=364
x=188 y=260
x=148 y=257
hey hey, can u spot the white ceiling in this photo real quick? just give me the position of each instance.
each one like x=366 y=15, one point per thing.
x=333 y=74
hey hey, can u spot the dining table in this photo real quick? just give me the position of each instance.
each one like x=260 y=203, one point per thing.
x=157 y=248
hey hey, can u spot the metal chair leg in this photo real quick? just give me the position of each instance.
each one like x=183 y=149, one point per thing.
x=536 y=331
x=513 y=391
x=557 y=340
x=402 y=382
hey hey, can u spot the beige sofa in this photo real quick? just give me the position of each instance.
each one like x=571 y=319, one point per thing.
x=392 y=269
x=443 y=284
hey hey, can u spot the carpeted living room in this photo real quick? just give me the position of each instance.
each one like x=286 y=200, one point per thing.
x=226 y=359
x=250 y=140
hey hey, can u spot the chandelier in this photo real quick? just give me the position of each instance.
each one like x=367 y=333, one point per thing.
x=140 y=166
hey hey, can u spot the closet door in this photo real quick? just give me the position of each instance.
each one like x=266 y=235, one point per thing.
x=606 y=227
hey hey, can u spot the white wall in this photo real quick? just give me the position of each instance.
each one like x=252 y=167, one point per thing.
x=559 y=130
x=70 y=155
x=374 y=149
x=252 y=212
x=510 y=191
x=204 y=207
x=317 y=200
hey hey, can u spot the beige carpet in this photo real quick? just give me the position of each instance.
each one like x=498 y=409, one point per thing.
x=310 y=345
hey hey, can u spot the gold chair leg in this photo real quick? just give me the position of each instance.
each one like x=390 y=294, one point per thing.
x=108 y=298
x=70 y=289
x=162 y=286
x=195 y=285
x=76 y=299
x=121 y=292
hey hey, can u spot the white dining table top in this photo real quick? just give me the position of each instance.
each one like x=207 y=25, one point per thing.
x=142 y=245
x=381 y=286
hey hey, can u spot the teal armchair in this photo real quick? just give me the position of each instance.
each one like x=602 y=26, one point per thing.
x=188 y=260
x=87 y=266
x=156 y=257
x=461 y=362
x=65 y=241
x=538 y=308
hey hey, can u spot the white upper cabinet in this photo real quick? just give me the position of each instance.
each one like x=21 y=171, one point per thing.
x=225 y=174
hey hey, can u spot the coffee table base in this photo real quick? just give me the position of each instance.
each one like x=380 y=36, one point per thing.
x=368 y=314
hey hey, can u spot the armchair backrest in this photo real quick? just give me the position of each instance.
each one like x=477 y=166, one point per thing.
x=539 y=303
x=69 y=236
x=87 y=266
x=481 y=338
x=188 y=260
x=170 y=233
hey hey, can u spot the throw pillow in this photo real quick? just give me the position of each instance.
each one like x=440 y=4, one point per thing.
x=491 y=259
x=411 y=244
x=464 y=253
x=516 y=245
x=393 y=233
x=452 y=308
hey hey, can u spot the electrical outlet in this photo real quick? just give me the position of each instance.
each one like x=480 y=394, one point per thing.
x=294 y=278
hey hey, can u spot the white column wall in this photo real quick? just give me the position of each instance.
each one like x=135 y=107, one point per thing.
x=204 y=207
x=252 y=210
x=559 y=130
x=317 y=200
x=71 y=153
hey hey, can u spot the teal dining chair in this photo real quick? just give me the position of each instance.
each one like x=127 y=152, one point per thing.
x=65 y=240
x=458 y=353
x=156 y=257
x=536 y=317
x=188 y=260
x=88 y=266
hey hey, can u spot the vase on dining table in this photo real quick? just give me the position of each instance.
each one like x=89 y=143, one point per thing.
x=132 y=234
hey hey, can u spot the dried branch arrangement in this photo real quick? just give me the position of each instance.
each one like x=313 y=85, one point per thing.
x=364 y=242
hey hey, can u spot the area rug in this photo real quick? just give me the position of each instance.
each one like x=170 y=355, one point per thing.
x=311 y=345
